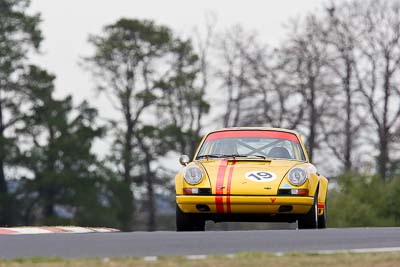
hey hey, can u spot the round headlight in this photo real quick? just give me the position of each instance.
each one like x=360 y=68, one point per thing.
x=193 y=174
x=297 y=176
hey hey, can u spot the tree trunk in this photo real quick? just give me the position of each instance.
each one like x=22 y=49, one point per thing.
x=383 y=157
x=5 y=216
x=151 y=223
x=348 y=133
x=313 y=118
x=3 y=184
x=127 y=168
x=47 y=193
x=384 y=131
x=128 y=148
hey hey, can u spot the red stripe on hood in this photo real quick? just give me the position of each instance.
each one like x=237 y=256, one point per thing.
x=219 y=191
x=228 y=189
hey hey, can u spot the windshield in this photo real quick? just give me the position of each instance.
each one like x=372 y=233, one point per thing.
x=257 y=144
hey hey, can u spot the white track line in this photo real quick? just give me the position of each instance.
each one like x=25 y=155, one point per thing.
x=74 y=229
x=30 y=230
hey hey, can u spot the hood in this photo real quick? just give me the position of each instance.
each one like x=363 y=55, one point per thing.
x=246 y=176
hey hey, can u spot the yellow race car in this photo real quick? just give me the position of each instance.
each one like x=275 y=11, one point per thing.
x=250 y=174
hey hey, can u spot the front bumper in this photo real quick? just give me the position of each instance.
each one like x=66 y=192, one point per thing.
x=268 y=205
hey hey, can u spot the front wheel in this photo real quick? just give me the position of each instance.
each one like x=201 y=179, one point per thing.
x=310 y=220
x=188 y=221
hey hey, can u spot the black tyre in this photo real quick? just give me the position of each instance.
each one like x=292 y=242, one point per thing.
x=188 y=221
x=323 y=217
x=310 y=220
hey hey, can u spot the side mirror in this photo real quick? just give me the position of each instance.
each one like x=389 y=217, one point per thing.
x=184 y=160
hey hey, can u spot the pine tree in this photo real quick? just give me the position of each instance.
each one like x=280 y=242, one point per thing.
x=19 y=35
x=67 y=183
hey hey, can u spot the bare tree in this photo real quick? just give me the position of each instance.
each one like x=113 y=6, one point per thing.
x=203 y=46
x=306 y=68
x=235 y=75
x=378 y=72
x=254 y=79
x=288 y=87
x=274 y=100
x=341 y=130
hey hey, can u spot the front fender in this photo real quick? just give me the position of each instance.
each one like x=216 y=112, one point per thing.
x=323 y=189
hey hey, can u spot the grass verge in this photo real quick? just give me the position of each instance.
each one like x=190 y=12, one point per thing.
x=238 y=260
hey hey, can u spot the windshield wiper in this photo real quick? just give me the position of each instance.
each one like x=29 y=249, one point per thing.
x=246 y=156
x=258 y=156
x=237 y=156
x=229 y=156
x=222 y=156
x=211 y=156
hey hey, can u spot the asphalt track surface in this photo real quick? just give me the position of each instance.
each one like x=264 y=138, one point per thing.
x=141 y=244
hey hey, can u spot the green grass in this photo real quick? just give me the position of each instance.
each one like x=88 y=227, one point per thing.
x=240 y=259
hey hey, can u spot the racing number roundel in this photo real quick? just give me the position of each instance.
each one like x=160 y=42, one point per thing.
x=260 y=176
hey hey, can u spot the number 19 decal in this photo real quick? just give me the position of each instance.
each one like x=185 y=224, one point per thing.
x=260 y=176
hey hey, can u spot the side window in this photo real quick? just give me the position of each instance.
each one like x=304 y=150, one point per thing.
x=208 y=147
x=299 y=152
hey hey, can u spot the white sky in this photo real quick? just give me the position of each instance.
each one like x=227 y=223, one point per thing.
x=67 y=24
